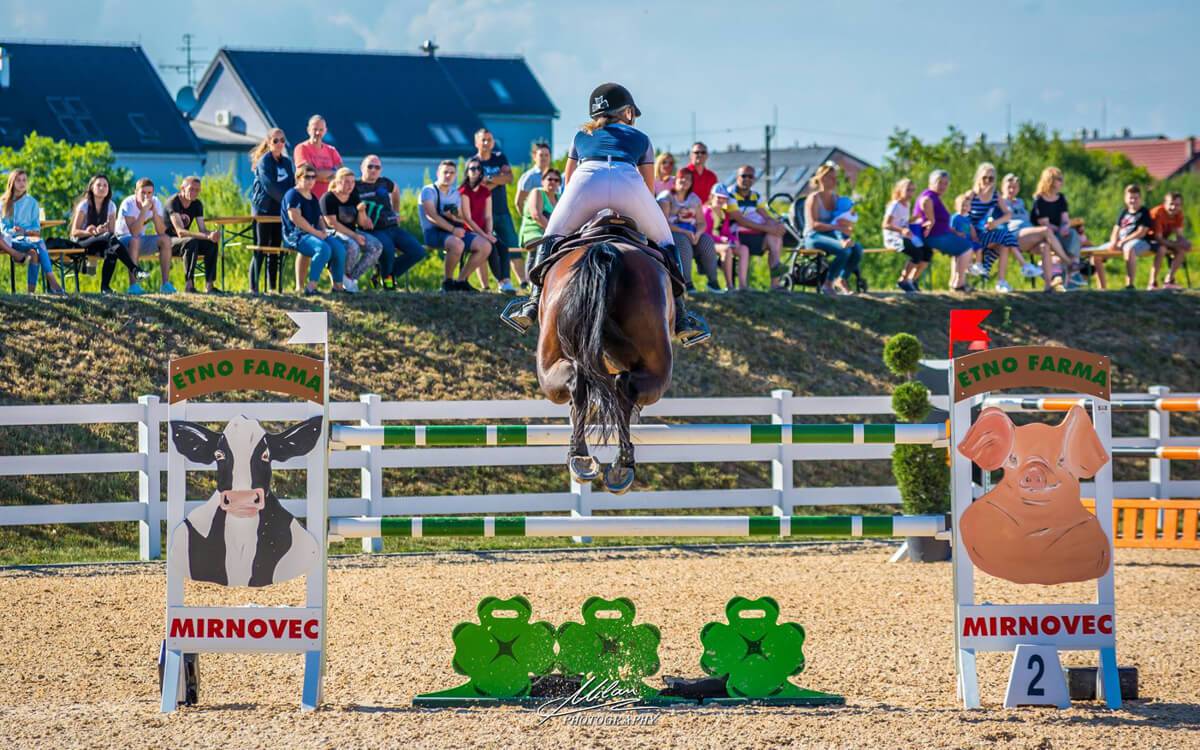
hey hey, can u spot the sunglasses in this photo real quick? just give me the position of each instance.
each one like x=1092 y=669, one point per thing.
x=701 y=153
x=306 y=176
x=553 y=179
x=474 y=169
x=374 y=166
x=989 y=178
x=278 y=140
x=745 y=177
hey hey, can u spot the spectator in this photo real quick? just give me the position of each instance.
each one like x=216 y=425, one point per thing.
x=93 y=227
x=990 y=216
x=531 y=179
x=497 y=174
x=138 y=213
x=936 y=233
x=401 y=251
x=724 y=232
x=1131 y=235
x=822 y=233
x=345 y=213
x=758 y=231
x=1050 y=210
x=898 y=235
x=20 y=220
x=441 y=218
x=184 y=210
x=319 y=155
x=273 y=176
x=304 y=232
x=1168 y=236
x=539 y=205
x=1029 y=237
x=477 y=211
x=703 y=178
x=664 y=173
x=684 y=212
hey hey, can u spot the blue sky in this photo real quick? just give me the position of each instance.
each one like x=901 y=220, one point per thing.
x=838 y=75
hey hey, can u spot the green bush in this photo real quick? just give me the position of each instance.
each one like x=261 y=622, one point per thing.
x=923 y=478
x=902 y=354
x=910 y=401
x=921 y=472
x=59 y=171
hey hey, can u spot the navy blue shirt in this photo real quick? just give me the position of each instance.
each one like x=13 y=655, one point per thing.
x=271 y=180
x=310 y=209
x=618 y=140
x=491 y=170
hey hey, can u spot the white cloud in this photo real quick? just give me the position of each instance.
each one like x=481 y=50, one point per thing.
x=370 y=38
x=941 y=69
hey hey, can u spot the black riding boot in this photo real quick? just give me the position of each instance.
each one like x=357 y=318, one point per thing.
x=690 y=328
x=524 y=318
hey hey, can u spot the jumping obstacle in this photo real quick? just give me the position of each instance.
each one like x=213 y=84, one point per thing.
x=345 y=436
x=1023 y=403
x=1172 y=452
x=608 y=526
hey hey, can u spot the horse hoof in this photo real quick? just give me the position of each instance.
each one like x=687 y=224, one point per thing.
x=583 y=468
x=618 y=479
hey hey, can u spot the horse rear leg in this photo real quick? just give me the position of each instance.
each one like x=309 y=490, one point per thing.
x=619 y=475
x=583 y=466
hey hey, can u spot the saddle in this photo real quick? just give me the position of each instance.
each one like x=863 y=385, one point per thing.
x=619 y=230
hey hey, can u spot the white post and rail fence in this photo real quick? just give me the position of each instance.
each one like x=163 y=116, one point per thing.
x=414 y=435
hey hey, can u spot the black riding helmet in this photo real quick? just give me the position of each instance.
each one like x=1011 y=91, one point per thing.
x=610 y=98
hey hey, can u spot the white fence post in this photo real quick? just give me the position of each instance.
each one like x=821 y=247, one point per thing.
x=150 y=481
x=1160 y=431
x=782 y=468
x=372 y=473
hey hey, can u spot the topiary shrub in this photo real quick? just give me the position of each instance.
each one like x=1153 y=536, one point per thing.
x=902 y=354
x=921 y=472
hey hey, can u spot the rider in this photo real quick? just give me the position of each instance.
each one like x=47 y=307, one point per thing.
x=612 y=166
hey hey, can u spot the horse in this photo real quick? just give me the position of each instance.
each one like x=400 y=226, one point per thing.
x=604 y=345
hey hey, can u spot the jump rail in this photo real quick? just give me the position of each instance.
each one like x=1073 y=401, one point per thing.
x=607 y=526
x=1024 y=403
x=343 y=436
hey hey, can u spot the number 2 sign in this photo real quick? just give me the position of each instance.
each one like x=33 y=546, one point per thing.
x=1036 y=678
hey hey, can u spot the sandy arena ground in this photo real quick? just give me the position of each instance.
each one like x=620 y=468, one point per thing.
x=78 y=656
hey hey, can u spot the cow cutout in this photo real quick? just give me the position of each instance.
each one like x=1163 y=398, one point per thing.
x=243 y=536
x=1032 y=528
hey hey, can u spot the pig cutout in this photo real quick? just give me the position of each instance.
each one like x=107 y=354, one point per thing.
x=1031 y=528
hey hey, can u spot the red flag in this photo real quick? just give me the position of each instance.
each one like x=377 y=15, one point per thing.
x=964 y=326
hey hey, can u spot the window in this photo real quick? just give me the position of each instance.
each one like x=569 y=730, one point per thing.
x=146 y=132
x=367 y=133
x=777 y=175
x=457 y=135
x=74 y=117
x=439 y=134
x=799 y=178
x=501 y=92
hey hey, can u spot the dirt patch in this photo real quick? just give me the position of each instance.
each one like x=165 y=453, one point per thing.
x=81 y=644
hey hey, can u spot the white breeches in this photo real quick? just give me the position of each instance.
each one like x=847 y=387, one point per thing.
x=597 y=185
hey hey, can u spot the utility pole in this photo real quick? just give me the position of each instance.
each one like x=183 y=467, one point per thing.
x=768 y=134
x=189 y=64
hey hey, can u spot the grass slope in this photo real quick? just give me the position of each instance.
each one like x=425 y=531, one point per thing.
x=424 y=346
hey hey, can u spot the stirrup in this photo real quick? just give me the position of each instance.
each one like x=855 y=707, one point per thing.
x=695 y=330
x=512 y=312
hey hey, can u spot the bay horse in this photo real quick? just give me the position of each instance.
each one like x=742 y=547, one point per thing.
x=604 y=344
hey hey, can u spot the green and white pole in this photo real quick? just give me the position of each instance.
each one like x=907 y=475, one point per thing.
x=634 y=526
x=344 y=436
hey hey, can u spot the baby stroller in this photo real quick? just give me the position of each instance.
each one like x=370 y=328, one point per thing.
x=804 y=268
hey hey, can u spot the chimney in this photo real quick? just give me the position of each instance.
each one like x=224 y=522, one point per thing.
x=1191 y=147
x=5 y=68
x=1095 y=134
x=429 y=48
x=1126 y=132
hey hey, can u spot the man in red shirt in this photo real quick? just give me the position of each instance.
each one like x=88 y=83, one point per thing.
x=1167 y=220
x=318 y=155
x=703 y=178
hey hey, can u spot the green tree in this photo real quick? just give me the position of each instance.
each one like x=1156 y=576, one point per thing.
x=59 y=171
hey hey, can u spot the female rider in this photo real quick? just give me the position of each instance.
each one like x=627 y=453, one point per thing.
x=611 y=165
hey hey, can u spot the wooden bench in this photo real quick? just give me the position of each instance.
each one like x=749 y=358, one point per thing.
x=271 y=250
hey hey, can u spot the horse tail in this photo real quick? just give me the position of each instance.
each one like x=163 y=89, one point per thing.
x=583 y=325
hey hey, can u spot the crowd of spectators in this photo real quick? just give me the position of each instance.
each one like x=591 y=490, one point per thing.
x=312 y=204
